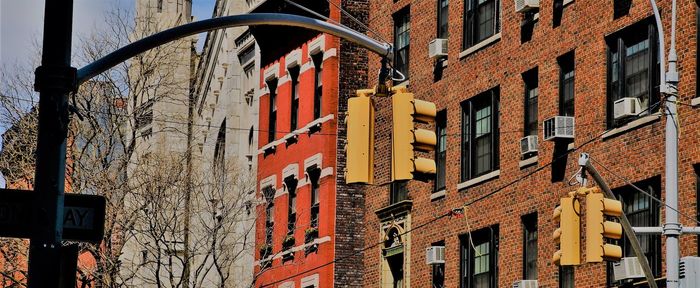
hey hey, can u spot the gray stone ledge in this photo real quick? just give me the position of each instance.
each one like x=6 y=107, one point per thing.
x=478 y=180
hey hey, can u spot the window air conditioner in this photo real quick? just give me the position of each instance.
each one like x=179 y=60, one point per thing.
x=690 y=271
x=627 y=268
x=562 y=127
x=437 y=48
x=435 y=255
x=525 y=284
x=626 y=107
x=522 y=6
x=528 y=144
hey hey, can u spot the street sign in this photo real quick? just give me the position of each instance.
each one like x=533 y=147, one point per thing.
x=83 y=215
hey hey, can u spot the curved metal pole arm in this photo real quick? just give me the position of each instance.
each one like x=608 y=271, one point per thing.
x=155 y=40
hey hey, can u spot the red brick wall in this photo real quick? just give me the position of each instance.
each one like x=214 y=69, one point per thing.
x=308 y=145
x=637 y=154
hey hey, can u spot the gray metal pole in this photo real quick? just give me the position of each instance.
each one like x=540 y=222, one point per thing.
x=672 y=227
x=54 y=80
x=155 y=40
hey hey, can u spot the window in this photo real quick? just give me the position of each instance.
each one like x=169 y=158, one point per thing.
x=294 y=109
x=399 y=192
x=318 y=83
x=291 y=183
x=438 y=272
x=402 y=29
x=531 y=93
x=479 y=259
x=642 y=211
x=530 y=246
x=272 y=110
x=441 y=151
x=566 y=277
x=442 y=18
x=566 y=84
x=481 y=21
x=269 y=194
x=633 y=68
x=160 y=6
x=314 y=176
x=480 y=134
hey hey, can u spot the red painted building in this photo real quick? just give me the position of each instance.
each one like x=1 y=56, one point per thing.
x=305 y=80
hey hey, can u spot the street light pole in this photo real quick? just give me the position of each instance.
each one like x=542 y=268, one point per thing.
x=54 y=80
x=669 y=87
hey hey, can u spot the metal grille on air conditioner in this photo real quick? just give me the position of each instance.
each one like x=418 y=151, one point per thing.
x=435 y=255
x=525 y=284
x=627 y=268
x=559 y=127
x=437 y=48
x=528 y=144
x=526 y=5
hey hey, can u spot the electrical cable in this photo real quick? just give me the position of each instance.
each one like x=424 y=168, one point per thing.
x=357 y=21
x=644 y=192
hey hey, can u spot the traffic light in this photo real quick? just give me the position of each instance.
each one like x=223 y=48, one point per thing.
x=597 y=228
x=568 y=235
x=360 y=144
x=406 y=139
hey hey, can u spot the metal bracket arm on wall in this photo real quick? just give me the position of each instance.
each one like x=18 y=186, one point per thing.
x=585 y=163
x=384 y=50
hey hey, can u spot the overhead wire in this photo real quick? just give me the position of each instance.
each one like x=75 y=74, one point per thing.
x=628 y=182
x=493 y=192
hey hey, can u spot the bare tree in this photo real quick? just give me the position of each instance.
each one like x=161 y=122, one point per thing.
x=113 y=132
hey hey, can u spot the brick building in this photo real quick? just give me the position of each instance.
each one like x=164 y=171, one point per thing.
x=303 y=227
x=505 y=73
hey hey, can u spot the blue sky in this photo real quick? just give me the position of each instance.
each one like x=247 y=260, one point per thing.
x=21 y=24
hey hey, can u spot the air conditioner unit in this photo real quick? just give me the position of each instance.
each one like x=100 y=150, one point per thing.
x=522 y=6
x=435 y=255
x=525 y=284
x=690 y=272
x=626 y=107
x=627 y=268
x=437 y=48
x=559 y=127
x=528 y=144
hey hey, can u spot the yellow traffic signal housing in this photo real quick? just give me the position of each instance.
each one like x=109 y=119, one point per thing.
x=597 y=228
x=360 y=143
x=568 y=235
x=407 y=139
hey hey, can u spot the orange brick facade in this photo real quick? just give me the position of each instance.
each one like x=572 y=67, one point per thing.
x=312 y=150
x=636 y=154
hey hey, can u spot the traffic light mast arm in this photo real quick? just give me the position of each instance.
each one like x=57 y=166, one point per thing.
x=122 y=54
x=586 y=166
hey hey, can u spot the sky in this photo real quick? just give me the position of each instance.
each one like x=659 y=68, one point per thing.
x=21 y=24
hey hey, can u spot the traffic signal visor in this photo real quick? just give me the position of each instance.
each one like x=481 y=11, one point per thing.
x=568 y=235
x=407 y=139
x=597 y=228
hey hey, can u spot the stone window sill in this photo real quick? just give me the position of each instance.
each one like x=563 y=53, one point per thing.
x=567 y=2
x=695 y=102
x=632 y=125
x=438 y=195
x=478 y=180
x=480 y=45
x=528 y=162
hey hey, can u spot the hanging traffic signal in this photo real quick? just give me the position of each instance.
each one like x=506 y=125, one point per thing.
x=568 y=235
x=597 y=228
x=360 y=143
x=407 y=139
